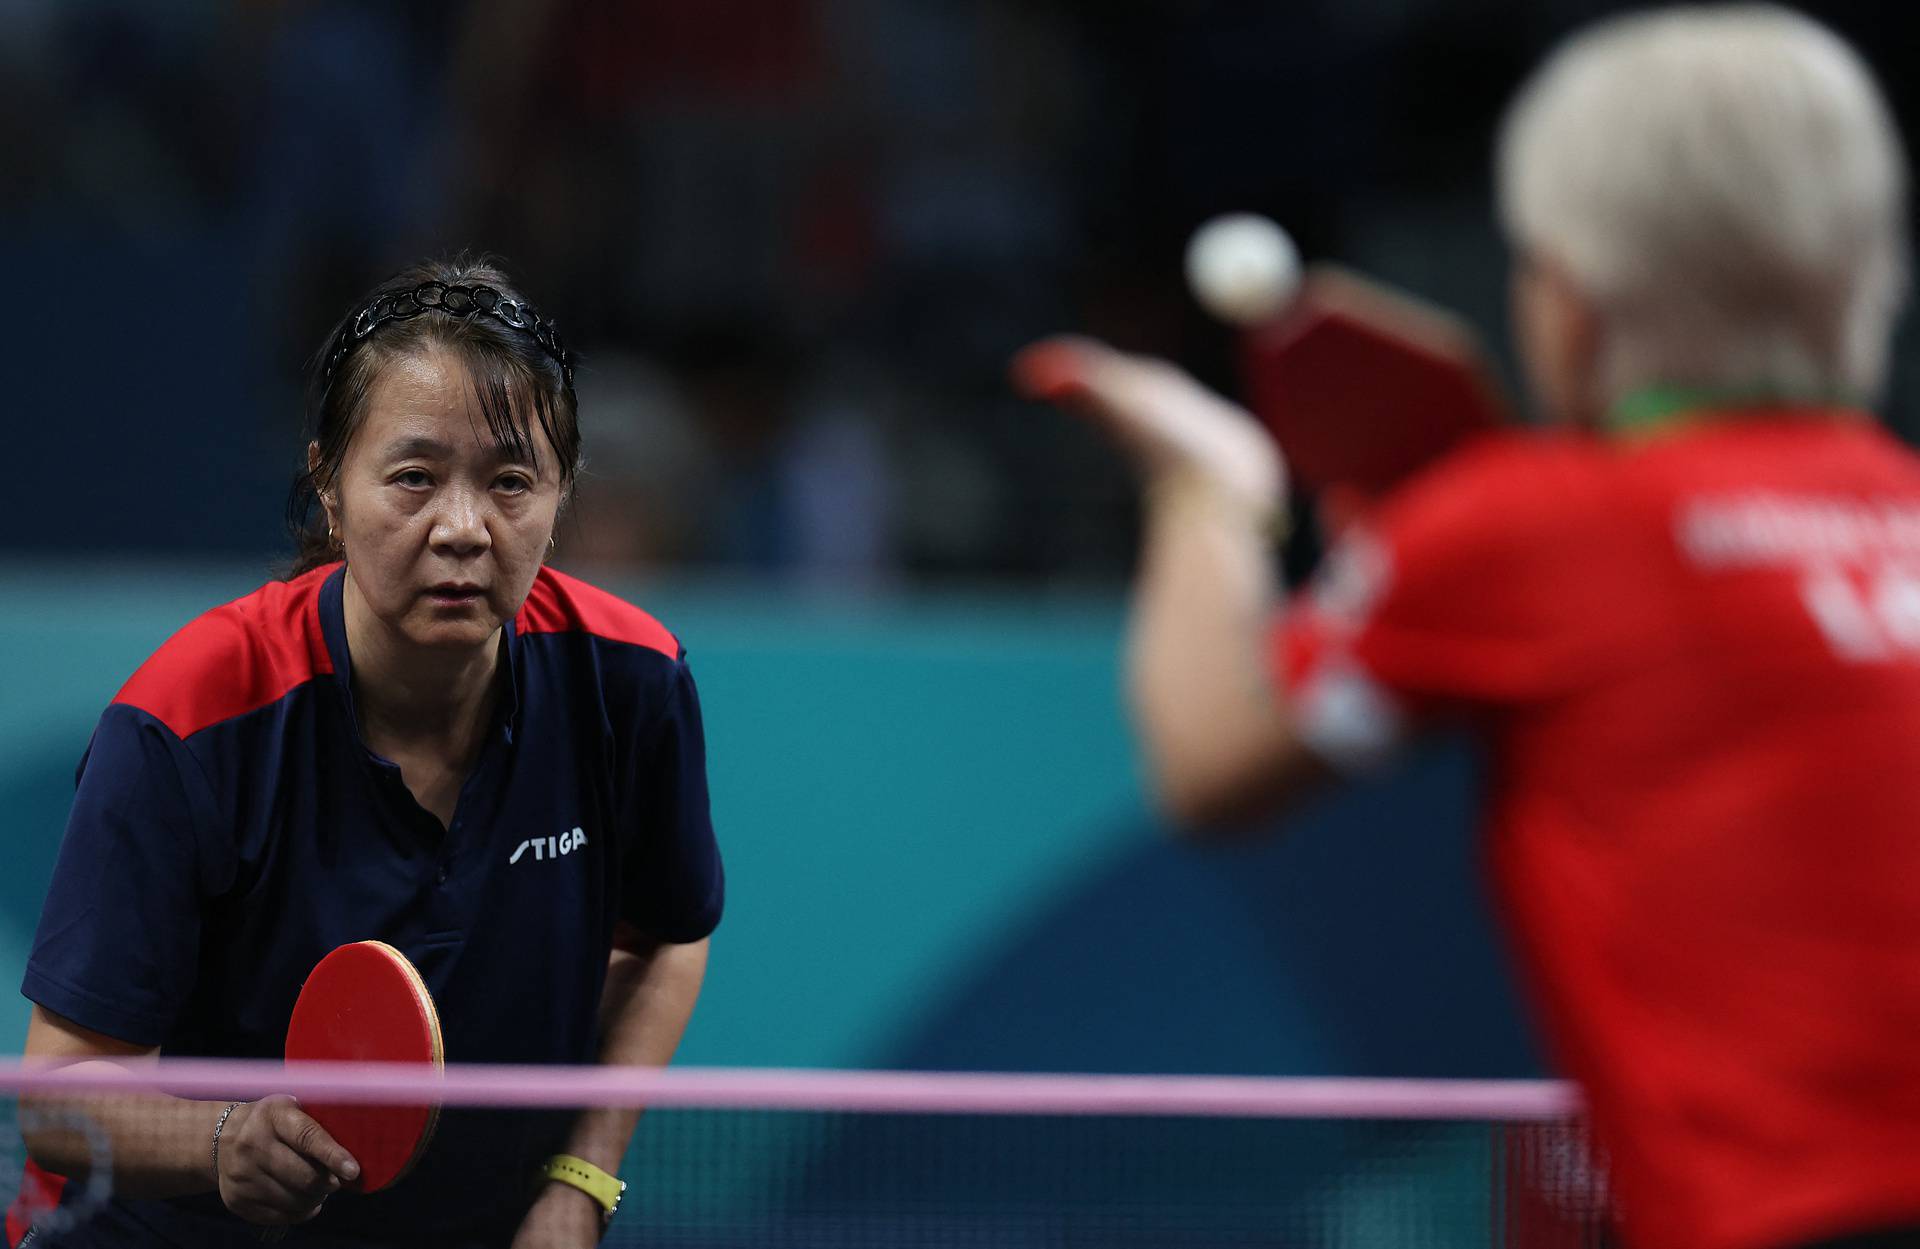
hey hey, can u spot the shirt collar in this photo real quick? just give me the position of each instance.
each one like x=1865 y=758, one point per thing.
x=333 y=627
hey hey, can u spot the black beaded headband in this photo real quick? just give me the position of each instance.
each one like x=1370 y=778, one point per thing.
x=455 y=301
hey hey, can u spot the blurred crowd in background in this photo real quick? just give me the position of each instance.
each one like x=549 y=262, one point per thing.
x=792 y=241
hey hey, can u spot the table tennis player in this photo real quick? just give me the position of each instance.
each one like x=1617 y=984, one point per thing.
x=1685 y=622
x=425 y=736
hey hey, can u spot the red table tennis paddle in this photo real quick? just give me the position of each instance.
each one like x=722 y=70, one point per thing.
x=1362 y=384
x=364 y=1002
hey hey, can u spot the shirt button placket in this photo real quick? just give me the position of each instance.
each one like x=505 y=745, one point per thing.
x=441 y=872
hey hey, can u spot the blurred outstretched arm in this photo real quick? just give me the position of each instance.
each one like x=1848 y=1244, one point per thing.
x=1219 y=741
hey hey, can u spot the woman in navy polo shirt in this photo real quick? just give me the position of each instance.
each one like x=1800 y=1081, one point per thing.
x=424 y=736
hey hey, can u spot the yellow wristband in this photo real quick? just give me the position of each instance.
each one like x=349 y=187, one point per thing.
x=589 y=1179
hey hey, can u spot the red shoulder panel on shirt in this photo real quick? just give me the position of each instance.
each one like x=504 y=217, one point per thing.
x=562 y=604
x=236 y=658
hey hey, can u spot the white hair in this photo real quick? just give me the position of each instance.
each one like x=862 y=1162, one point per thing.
x=1726 y=184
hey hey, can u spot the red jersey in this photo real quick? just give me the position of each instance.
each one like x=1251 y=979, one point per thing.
x=1695 y=660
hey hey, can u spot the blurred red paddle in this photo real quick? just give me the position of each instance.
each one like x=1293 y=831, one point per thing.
x=1362 y=385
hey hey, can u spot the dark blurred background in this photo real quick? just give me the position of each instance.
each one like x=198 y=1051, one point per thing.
x=794 y=241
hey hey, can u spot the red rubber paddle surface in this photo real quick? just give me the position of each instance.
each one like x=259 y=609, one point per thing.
x=364 y=1002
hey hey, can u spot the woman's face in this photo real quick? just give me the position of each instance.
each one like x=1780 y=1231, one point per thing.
x=443 y=529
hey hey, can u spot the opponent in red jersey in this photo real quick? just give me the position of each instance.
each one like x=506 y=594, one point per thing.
x=1687 y=627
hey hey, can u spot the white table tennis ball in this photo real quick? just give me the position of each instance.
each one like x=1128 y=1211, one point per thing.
x=1242 y=268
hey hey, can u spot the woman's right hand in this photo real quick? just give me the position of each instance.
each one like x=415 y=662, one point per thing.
x=276 y=1165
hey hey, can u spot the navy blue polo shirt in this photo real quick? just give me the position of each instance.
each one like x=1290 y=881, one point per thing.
x=231 y=827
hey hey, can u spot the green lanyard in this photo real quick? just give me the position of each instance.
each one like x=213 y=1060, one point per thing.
x=1661 y=409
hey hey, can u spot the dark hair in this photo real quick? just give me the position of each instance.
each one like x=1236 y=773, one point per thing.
x=465 y=305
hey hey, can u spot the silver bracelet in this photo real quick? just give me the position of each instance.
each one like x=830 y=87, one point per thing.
x=219 y=1126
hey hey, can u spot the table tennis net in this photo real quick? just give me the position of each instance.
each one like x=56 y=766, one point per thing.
x=771 y=1159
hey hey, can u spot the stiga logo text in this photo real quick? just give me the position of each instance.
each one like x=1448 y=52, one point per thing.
x=551 y=847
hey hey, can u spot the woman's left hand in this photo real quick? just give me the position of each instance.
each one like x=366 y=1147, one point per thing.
x=1171 y=425
x=562 y=1217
